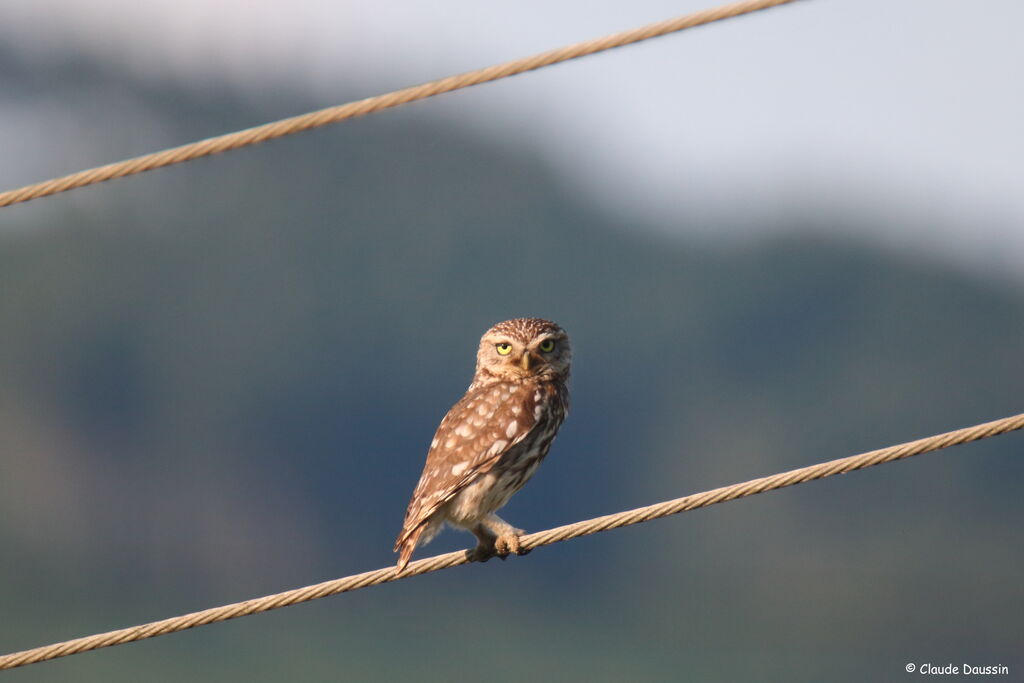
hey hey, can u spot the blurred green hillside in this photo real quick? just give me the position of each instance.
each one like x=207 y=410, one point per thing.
x=219 y=380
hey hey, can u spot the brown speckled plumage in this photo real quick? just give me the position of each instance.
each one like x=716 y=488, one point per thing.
x=491 y=441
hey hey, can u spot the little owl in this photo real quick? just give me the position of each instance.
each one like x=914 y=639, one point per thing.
x=491 y=441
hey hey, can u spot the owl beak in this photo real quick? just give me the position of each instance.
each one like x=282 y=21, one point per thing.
x=525 y=361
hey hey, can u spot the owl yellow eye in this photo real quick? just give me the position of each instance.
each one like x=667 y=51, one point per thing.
x=547 y=346
x=503 y=348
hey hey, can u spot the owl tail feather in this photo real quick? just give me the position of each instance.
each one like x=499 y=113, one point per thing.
x=407 y=546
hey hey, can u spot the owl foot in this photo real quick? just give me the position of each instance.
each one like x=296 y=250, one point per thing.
x=482 y=553
x=501 y=547
x=496 y=538
x=508 y=544
x=484 y=549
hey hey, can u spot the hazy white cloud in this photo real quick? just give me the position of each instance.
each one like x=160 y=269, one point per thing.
x=909 y=111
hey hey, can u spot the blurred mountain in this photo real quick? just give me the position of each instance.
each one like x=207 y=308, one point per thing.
x=219 y=380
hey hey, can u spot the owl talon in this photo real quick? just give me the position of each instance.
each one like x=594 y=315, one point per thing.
x=508 y=544
x=482 y=553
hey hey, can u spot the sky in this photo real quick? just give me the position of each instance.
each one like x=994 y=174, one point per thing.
x=906 y=114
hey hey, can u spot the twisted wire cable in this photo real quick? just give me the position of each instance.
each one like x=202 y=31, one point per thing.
x=530 y=541
x=323 y=117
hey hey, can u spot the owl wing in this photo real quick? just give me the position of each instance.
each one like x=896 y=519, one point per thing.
x=471 y=438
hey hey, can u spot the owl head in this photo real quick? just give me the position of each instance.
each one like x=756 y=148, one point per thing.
x=523 y=348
